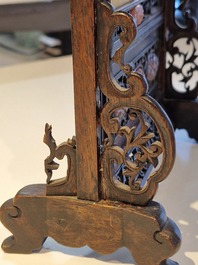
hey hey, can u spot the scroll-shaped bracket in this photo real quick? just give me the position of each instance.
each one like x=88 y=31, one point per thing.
x=139 y=151
x=66 y=185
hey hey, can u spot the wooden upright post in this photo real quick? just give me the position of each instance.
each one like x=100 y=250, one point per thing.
x=84 y=61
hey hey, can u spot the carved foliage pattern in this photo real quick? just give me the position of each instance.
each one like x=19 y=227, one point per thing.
x=181 y=46
x=136 y=127
x=184 y=65
x=138 y=148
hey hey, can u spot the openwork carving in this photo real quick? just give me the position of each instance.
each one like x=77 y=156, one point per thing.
x=141 y=10
x=66 y=185
x=184 y=65
x=147 y=65
x=138 y=149
x=142 y=56
x=182 y=47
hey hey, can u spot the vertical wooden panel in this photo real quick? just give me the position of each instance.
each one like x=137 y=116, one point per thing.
x=83 y=47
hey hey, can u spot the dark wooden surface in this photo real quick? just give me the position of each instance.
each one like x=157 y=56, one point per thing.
x=83 y=38
x=104 y=226
x=180 y=100
x=141 y=185
x=67 y=185
x=103 y=213
x=183 y=114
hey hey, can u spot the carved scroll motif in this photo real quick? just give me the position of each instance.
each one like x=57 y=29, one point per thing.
x=66 y=185
x=138 y=150
x=181 y=47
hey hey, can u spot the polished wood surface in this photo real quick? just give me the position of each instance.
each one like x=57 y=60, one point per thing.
x=83 y=38
x=124 y=147
x=104 y=226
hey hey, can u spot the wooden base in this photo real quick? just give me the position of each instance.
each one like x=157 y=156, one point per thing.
x=104 y=226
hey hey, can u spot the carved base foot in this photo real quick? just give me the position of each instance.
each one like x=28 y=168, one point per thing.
x=104 y=226
x=29 y=232
x=11 y=245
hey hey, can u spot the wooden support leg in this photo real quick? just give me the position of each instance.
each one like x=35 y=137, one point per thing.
x=104 y=226
x=29 y=232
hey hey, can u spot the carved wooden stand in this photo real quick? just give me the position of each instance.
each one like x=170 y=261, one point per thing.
x=124 y=147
